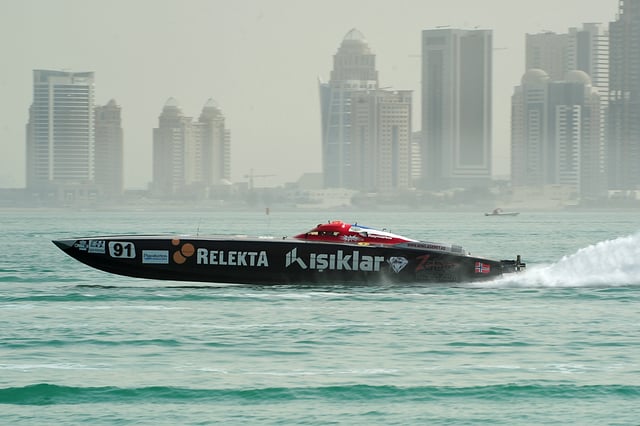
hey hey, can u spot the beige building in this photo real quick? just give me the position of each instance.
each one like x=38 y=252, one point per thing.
x=213 y=141
x=190 y=158
x=60 y=131
x=109 y=173
x=381 y=141
x=171 y=142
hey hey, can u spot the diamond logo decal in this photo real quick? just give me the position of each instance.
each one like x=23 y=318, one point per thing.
x=397 y=263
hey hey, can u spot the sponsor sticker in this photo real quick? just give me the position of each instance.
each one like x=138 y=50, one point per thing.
x=232 y=258
x=82 y=245
x=158 y=257
x=397 y=263
x=430 y=246
x=338 y=261
x=425 y=264
x=97 y=246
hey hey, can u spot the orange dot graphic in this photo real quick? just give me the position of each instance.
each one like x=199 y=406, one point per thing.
x=188 y=250
x=178 y=258
x=175 y=241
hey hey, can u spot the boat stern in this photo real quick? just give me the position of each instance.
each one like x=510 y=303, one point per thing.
x=509 y=265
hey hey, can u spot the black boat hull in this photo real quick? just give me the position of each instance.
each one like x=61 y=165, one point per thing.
x=273 y=261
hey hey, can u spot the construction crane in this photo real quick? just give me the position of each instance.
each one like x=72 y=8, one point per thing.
x=251 y=176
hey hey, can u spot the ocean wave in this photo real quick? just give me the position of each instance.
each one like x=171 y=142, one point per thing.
x=51 y=394
x=58 y=343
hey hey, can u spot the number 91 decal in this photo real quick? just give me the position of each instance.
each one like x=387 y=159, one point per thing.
x=122 y=250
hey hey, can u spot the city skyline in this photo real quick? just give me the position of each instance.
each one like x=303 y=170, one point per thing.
x=266 y=52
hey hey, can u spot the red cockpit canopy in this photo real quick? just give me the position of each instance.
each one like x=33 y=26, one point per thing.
x=339 y=231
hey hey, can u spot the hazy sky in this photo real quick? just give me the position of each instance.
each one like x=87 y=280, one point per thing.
x=259 y=59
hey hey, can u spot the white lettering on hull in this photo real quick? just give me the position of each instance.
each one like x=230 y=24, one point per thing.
x=232 y=258
x=335 y=262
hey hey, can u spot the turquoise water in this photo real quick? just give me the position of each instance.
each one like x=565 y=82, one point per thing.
x=558 y=344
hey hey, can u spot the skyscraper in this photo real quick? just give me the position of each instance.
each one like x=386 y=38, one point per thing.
x=529 y=148
x=60 y=132
x=381 y=141
x=189 y=158
x=214 y=144
x=171 y=141
x=354 y=70
x=109 y=156
x=576 y=135
x=456 y=108
x=623 y=141
x=588 y=51
x=556 y=135
x=547 y=51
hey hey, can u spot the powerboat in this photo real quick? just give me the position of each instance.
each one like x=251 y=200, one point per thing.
x=332 y=252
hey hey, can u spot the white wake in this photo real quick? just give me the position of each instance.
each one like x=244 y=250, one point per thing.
x=610 y=263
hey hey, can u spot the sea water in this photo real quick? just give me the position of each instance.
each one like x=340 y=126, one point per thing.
x=557 y=344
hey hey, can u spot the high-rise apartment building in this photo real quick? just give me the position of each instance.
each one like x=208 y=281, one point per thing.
x=556 y=134
x=354 y=70
x=456 y=108
x=60 y=132
x=588 y=51
x=214 y=146
x=547 y=51
x=381 y=140
x=416 y=157
x=171 y=142
x=623 y=135
x=189 y=158
x=583 y=49
x=529 y=130
x=109 y=155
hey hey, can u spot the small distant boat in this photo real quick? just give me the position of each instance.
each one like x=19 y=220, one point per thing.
x=500 y=212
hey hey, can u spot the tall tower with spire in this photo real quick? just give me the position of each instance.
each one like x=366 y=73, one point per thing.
x=354 y=71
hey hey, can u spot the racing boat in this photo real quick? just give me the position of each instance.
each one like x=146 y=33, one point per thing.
x=336 y=252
